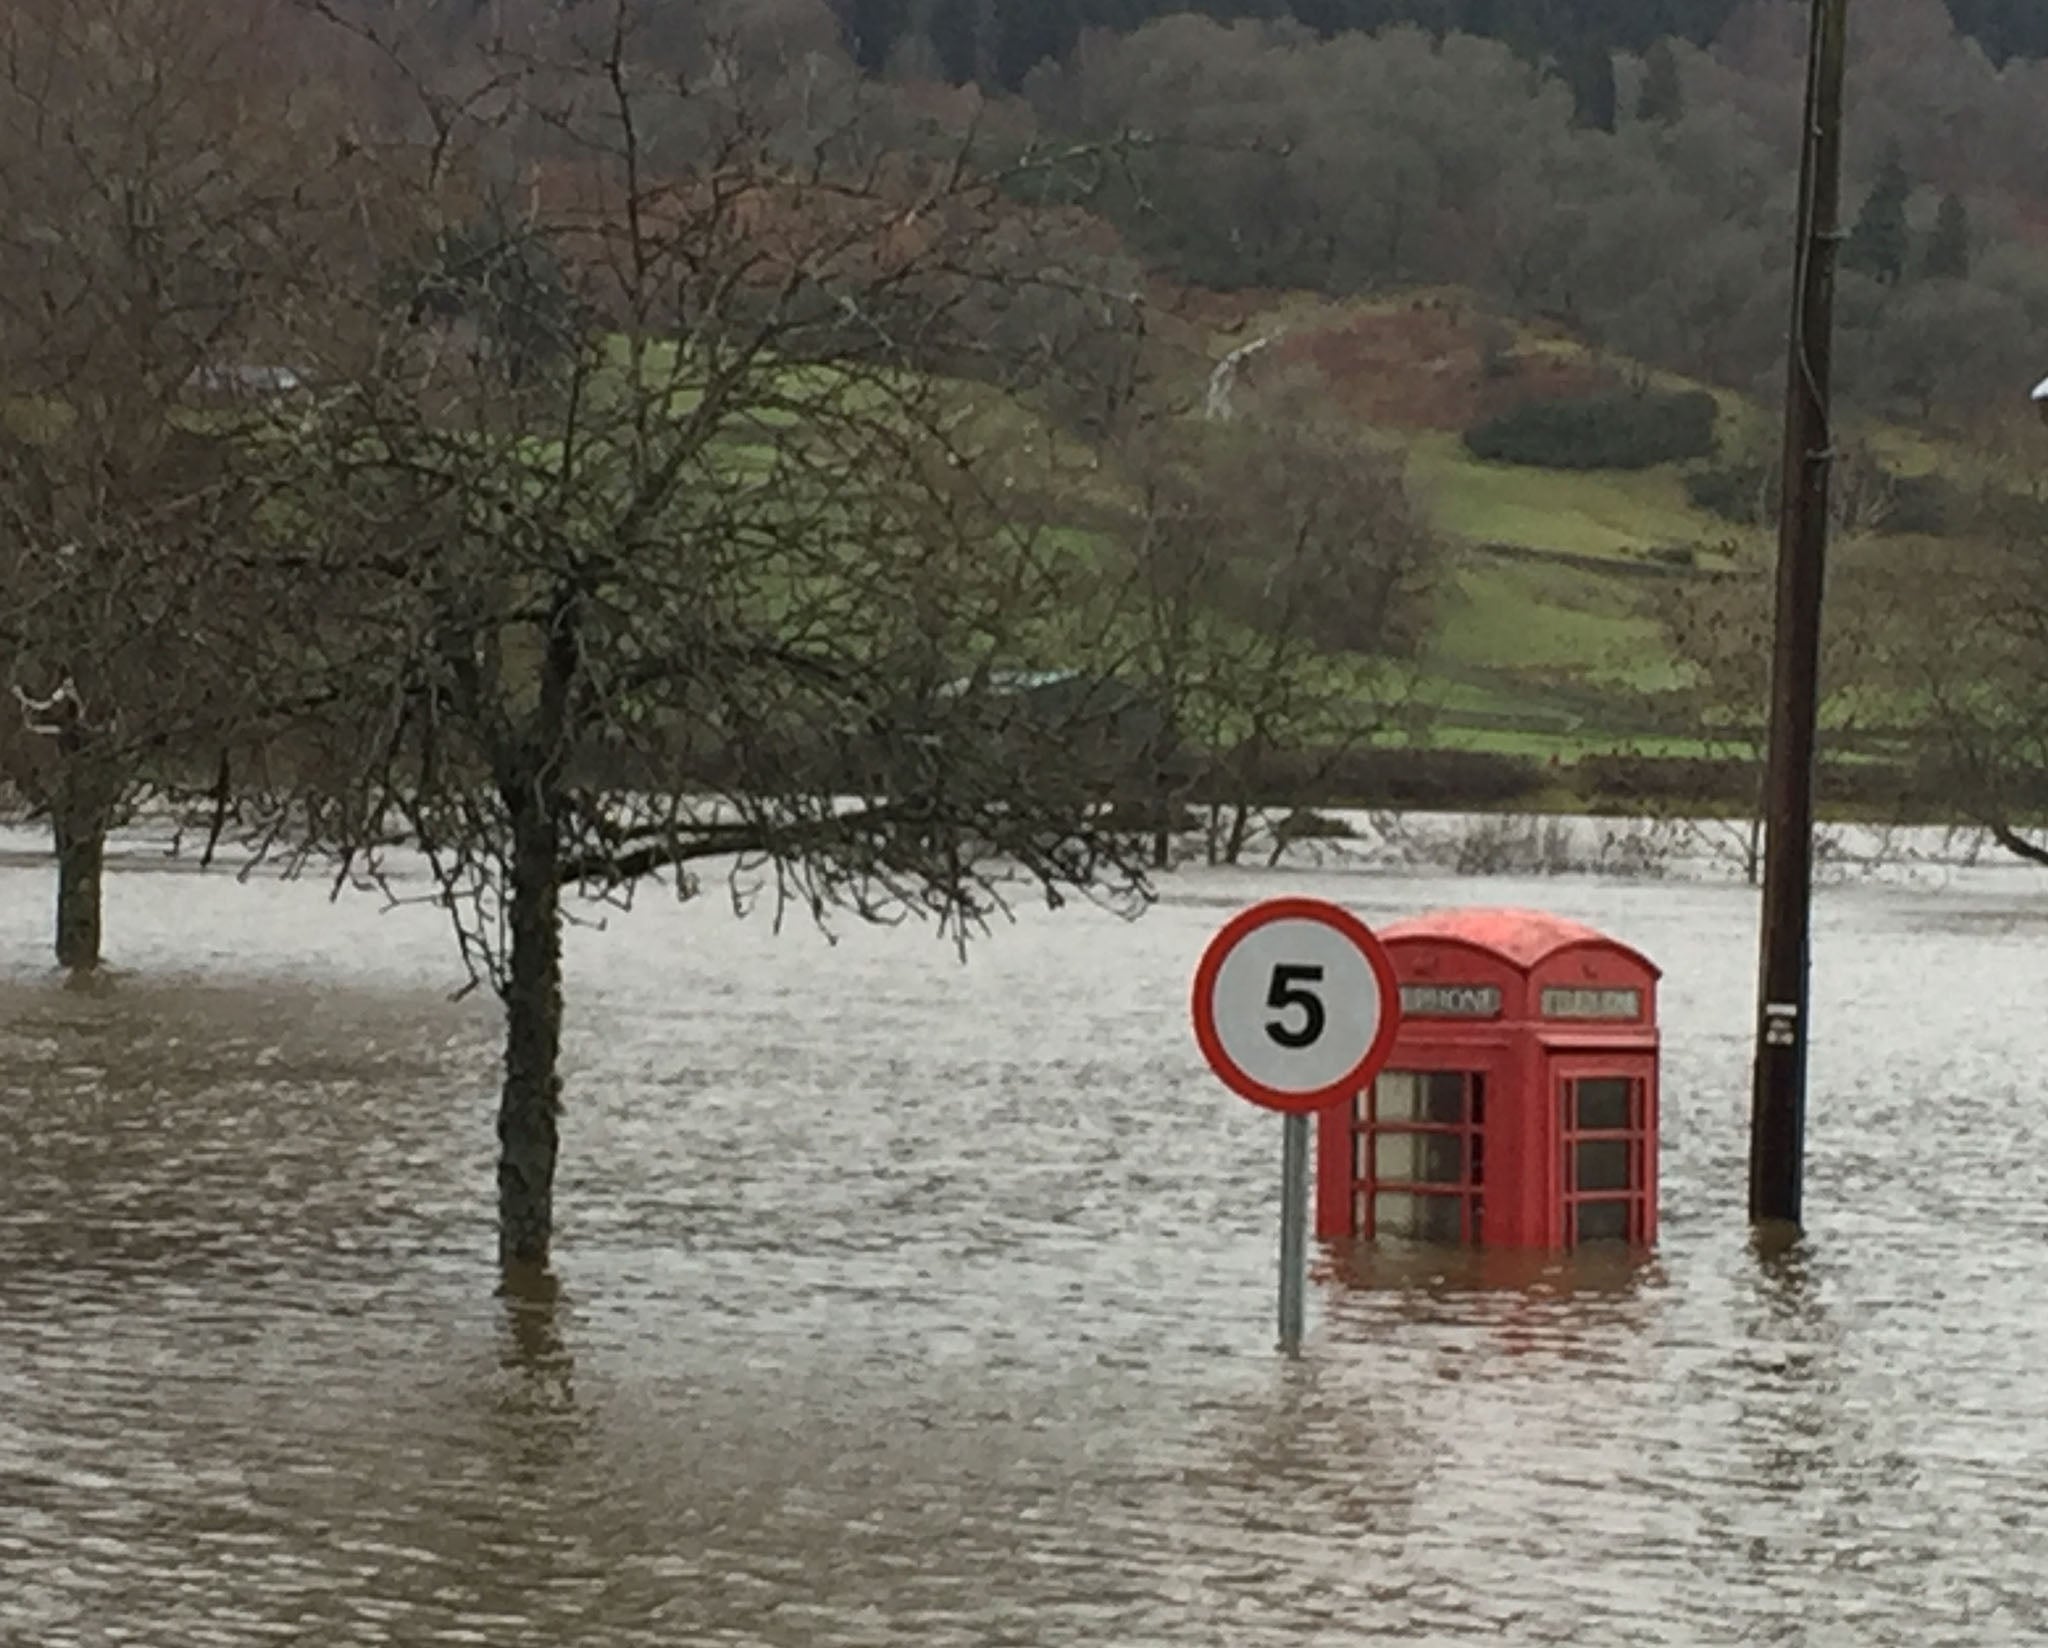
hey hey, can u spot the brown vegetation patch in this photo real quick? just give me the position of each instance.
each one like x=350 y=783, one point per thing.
x=1433 y=363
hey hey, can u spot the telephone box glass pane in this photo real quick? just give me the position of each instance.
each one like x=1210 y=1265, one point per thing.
x=1443 y=1096
x=1601 y=1222
x=1602 y=1164
x=1420 y=1158
x=1396 y=1096
x=1425 y=1218
x=1603 y=1104
x=1421 y=1096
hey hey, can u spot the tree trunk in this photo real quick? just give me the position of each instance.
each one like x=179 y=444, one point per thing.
x=1240 y=832
x=81 y=841
x=1165 y=757
x=531 y=1101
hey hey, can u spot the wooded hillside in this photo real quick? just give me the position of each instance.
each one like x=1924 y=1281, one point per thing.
x=1017 y=34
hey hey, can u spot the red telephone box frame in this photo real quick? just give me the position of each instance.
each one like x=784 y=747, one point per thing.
x=1529 y=1004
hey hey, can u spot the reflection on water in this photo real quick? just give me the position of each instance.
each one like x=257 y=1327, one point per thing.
x=906 y=1303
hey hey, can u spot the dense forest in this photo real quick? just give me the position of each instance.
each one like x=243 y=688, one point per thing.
x=1002 y=40
x=1622 y=169
x=1564 y=162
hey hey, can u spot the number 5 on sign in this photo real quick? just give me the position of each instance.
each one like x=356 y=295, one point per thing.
x=1295 y=1005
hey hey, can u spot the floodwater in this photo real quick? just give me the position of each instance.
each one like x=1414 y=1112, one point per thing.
x=910 y=1303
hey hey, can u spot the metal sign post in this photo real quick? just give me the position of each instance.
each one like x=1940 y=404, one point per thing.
x=1295 y=1008
x=1293 y=1230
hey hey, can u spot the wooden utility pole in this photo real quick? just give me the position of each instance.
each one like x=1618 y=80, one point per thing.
x=1777 y=1138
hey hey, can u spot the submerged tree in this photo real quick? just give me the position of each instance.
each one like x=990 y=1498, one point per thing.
x=722 y=589
x=1717 y=628
x=115 y=640
x=150 y=184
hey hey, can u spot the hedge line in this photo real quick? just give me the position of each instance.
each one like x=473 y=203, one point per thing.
x=1618 y=431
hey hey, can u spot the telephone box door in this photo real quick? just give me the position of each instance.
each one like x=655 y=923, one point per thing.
x=1605 y=1111
x=1426 y=1142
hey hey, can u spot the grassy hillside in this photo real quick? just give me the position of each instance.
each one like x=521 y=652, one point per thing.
x=1545 y=645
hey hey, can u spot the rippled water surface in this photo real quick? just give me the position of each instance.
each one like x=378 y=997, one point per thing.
x=910 y=1303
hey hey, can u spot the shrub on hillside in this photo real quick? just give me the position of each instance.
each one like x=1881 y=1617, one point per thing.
x=1618 y=431
x=1366 y=777
x=1865 y=497
x=1745 y=493
x=1924 y=506
x=1622 y=781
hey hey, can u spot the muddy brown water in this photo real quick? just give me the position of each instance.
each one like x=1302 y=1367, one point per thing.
x=910 y=1303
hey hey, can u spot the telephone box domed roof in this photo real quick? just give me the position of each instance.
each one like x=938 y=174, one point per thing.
x=1521 y=937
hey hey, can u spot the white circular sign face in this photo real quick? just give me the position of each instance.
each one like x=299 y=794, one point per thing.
x=1295 y=1004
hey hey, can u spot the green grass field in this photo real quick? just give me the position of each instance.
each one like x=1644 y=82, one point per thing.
x=1553 y=657
x=1607 y=513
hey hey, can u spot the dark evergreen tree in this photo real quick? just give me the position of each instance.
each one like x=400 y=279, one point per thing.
x=2005 y=28
x=1326 y=17
x=955 y=30
x=1030 y=32
x=1535 y=28
x=1948 y=253
x=1662 y=98
x=1877 y=244
x=1488 y=17
x=871 y=28
x=1588 y=68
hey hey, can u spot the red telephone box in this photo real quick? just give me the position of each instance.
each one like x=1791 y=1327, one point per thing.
x=1519 y=1106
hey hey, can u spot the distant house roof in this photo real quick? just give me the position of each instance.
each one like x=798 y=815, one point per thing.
x=1103 y=692
x=252 y=380
x=1009 y=681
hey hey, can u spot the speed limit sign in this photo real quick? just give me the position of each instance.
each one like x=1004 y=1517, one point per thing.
x=1295 y=1004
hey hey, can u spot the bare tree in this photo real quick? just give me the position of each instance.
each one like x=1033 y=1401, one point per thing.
x=1971 y=653
x=121 y=674
x=152 y=154
x=1717 y=627
x=639 y=543
x=1277 y=589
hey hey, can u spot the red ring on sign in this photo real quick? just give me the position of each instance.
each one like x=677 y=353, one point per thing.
x=1362 y=938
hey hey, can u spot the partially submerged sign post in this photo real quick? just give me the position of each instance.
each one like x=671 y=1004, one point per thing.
x=1295 y=1008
